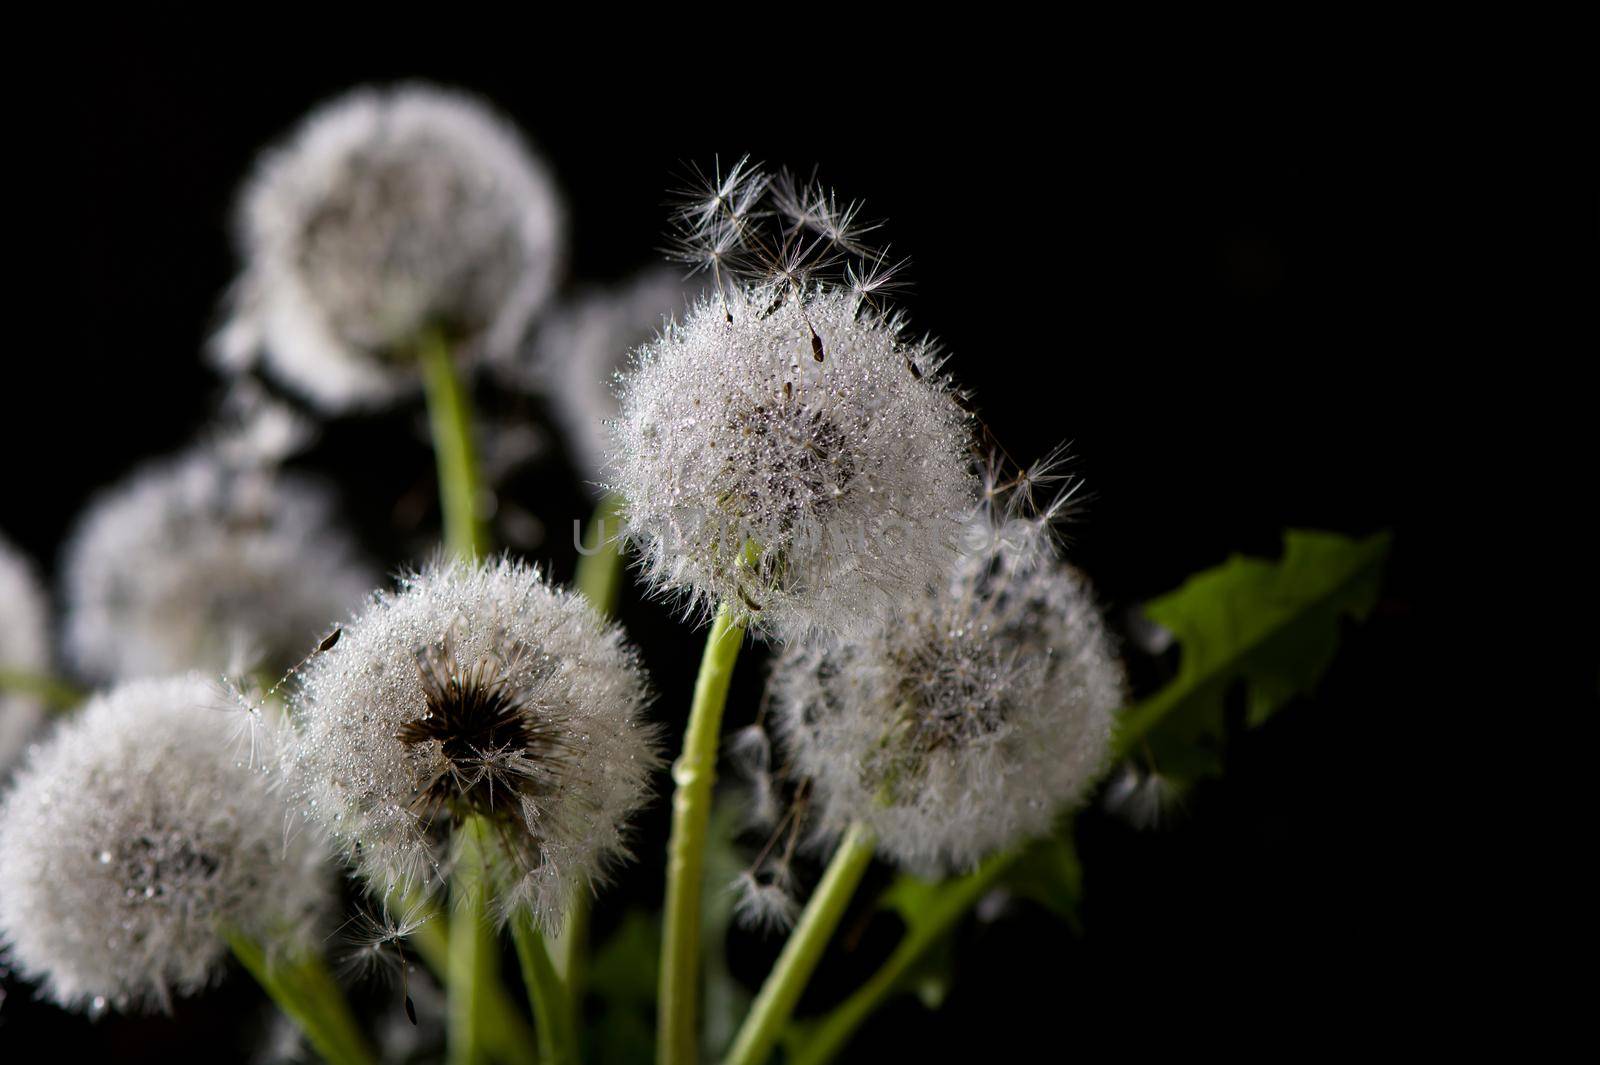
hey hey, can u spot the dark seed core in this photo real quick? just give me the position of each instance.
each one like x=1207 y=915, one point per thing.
x=480 y=717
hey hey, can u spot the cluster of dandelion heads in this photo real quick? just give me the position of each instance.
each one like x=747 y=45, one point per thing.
x=24 y=648
x=970 y=724
x=811 y=494
x=390 y=214
x=138 y=834
x=475 y=690
x=197 y=564
x=579 y=348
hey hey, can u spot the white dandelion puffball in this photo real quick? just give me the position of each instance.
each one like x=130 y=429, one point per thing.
x=140 y=832
x=193 y=564
x=970 y=725
x=579 y=348
x=388 y=214
x=24 y=647
x=476 y=690
x=793 y=456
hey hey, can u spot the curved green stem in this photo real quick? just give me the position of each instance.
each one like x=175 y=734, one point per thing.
x=956 y=897
x=469 y=967
x=828 y=1036
x=775 y=1004
x=693 y=774
x=552 y=1008
x=56 y=694
x=309 y=996
x=450 y=417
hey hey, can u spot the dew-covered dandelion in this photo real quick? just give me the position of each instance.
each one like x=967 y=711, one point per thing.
x=390 y=215
x=140 y=835
x=198 y=564
x=969 y=725
x=475 y=691
x=787 y=449
x=24 y=650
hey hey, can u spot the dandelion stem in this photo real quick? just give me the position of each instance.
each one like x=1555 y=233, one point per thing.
x=955 y=898
x=570 y=945
x=56 y=693
x=598 y=580
x=506 y=1034
x=450 y=415
x=693 y=774
x=775 y=1004
x=599 y=574
x=309 y=996
x=469 y=967
x=472 y=986
x=952 y=901
x=552 y=1007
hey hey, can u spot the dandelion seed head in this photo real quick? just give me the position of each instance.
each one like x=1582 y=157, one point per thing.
x=132 y=836
x=196 y=564
x=388 y=213
x=24 y=646
x=968 y=725
x=775 y=454
x=475 y=690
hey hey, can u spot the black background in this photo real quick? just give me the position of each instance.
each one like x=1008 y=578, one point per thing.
x=1247 y=299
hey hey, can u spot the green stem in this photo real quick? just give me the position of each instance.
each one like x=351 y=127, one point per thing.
x=599 y=575
x=831 y=1034
x=570 y=945
x=552 y=1008
x=693 y=774
x=308 y=995
x=599 y=579
x=56 y=694
x=505 y=1030
x=775 y=1004
x=450 y=416
x=469 y=962
x=952 y=903
x=469 y=965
